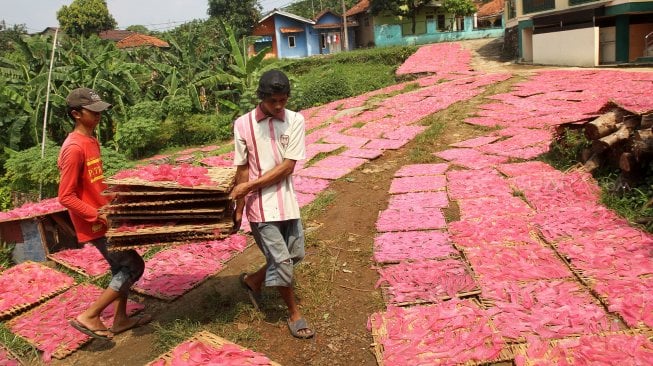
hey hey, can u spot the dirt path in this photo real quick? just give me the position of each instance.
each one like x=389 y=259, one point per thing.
x=336 y=282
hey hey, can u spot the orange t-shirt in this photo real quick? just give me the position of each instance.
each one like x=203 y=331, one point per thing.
x=81 y=185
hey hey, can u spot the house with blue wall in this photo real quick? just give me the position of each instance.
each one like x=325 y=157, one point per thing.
x=291 y=36
x=432 y=24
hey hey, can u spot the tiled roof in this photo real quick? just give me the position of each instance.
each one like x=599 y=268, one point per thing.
x=362 y=6
x=494 y=7
x=141 y=40
x=115 y=34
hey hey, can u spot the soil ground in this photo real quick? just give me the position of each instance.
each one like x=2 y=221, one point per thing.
x=335 y=284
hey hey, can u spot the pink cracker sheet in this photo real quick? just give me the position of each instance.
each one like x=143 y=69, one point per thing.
x=630 y=298
x=184 y=175
x=314 y=149
x=476 y=188
x=526 y=153
x=418 y=184
x=47 y=328
x=479 y=161
x=437 y=58
x=87 y=259
x=497 y=230
x=218 y=161
x=6 y=358
x=199 y=352
x=305 y=199
x=548 y=309
x=31 y=209
x=426 y=281
x=323 y=173
x=369 y=154
x=404 y=132
x=29 y=283
x=570 y=221
x=476 y=142
x=173 y=272
x=525 y=262
x=493 y=206
x=412 y=245
x=436 y=199
x=411 y=219
x=607 y=349
x=310 y=185
x=385 y=144
x=547 y=190
x=421 y=169
x=449 y=333
x=338 y=161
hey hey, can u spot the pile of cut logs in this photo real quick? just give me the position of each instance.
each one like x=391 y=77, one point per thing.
x=145 y=213
x=619 y=138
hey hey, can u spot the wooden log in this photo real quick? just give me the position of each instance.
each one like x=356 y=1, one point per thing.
x=609 y=141
x=647 y=121
x=627 y=162
x=585 y=155
x=642 y=142
x=604 y=125
x=592 y=163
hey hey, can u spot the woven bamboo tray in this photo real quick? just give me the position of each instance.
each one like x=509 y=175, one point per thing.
x=210 y=218
x=163 y=230
x=506 y=354
x=73 y=268
x=223 y=178
x=201 y=200
x=22 y=307
x=521 y=349
x=153 y=192
x=205 y=337
x=161 y=240
x=169 y=211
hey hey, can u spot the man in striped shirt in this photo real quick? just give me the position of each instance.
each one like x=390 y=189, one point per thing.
x=268 y=141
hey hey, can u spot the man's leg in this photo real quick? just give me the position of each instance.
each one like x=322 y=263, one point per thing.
x=288 y=296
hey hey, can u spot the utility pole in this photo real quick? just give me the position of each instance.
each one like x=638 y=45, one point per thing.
x=344 y=23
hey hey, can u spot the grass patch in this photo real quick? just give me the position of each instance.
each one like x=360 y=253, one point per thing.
x=28 y=354
x=318 y=206
x=5 y=255
x=324 y=155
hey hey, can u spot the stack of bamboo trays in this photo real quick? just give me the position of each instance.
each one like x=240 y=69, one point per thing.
x=144 y=213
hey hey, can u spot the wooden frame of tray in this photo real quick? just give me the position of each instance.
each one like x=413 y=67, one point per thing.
x=224 y=178
x=521 y=348
x=22 y=307
x=11 y=354
x=172 y=202
x=112 y=233
x=173 y=211
x=116 y=218
x=207 y=338
x=506 y=354
x=194 y=238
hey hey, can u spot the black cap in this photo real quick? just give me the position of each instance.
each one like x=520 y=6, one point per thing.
x=87 y=99
x=273 y=82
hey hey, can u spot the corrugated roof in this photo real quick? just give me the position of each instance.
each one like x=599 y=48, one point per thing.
x=494 y=7
x=141 y=40
x=286 y=14
x=362 y=6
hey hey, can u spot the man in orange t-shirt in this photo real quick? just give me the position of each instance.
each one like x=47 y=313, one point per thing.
x=80 y=191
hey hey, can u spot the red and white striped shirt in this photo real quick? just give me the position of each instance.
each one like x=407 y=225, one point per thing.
x=263 y=142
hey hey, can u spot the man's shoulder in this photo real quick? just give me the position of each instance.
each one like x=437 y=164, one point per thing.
x=293 y=116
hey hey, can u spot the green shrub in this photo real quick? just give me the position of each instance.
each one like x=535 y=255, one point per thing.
x=198 y=129
x=323 y=86
x=26 y=171
x=113 y=161
x=149 y=109
x=139 y=136
x=179 y=107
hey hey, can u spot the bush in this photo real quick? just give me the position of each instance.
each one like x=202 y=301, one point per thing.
x=139 y=136
x=179 y=107
x=150 y=110
x=113 y=161
x=323 y=86
x=198 y=129
x=26 y=171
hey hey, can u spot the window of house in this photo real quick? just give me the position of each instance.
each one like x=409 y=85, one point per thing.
x=441 y=25
x=532 y=6
x=291 y=42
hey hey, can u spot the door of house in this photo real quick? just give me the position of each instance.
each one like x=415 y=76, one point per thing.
x=330 y=42
x=607 y=45
x=430 y=24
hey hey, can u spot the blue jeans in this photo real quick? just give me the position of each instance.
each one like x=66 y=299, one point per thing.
x=127 y=266
x=282 y=243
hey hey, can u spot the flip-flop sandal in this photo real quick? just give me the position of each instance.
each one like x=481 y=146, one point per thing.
x=298 y=325
x=141 y=320
x=90 y=332
x=254 y=298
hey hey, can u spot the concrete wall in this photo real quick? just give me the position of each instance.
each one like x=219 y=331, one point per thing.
x=581 y=48
x=391 y=35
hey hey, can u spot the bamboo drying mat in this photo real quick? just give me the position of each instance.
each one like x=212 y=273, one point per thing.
x=171 y=211
x=521 y=348
x=176 y=217
x=22 y=307
x=387 y=297
x=160 y=241
x=171 y=202
x=204 y=337
x=223 y=178
x=153 y=192
x=113 y=233
x=75 y=269
x=506 y=354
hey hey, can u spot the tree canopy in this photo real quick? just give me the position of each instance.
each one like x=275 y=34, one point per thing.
x=311 y=8
x=459 y=8
x=402 y=8
x=241 y=15
x=85 y=17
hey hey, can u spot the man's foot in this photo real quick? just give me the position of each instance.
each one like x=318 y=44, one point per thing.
x=133 y=322
x=254 y=296
x=299 y=328
x=94 y=333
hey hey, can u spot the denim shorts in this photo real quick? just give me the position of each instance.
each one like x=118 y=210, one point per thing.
x=282 y=243
x=127 y=266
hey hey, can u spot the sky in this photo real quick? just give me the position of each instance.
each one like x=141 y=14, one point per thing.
x=155 y=15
